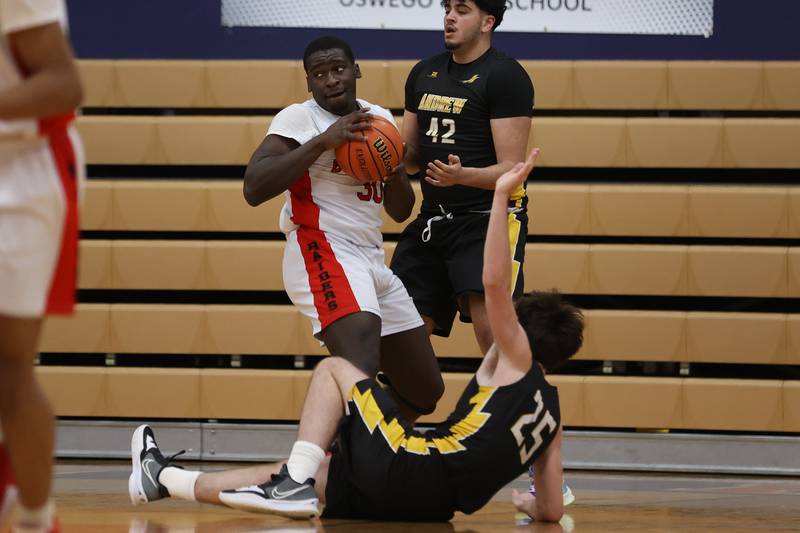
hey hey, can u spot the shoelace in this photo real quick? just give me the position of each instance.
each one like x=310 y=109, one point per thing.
x=171 y=458
x=426 y=233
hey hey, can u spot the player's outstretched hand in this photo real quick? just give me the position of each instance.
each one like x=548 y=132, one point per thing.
x=508 y=182
x=523 y=501
x=347 y=128
x=444 y=175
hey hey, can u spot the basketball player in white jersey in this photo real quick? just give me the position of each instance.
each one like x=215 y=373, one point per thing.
x=333 y=265
x=40 y=171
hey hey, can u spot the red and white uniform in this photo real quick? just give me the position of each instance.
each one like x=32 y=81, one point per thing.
x=334 y=264
x=41 y=170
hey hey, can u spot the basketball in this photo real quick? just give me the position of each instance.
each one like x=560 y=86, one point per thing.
x=373 y=159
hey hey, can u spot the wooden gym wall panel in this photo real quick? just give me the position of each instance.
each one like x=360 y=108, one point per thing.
x=557 y=266
x=782 y=85
x=228 y=210
x=634 y=336
x=160 y=83
x=572 y=268
x=159 y=265
x=552 y=83
x=737 y=271
x=757 y=338
x=570 y=398
x=250 y=394
x=557 y=209
x=734 y=211
x=794 y=272
x=255 y=329
x=164 y=205
x=99 y=82
x=253 y=84
x=632 y=402
x=580 y=142
x=397 y=73
x=460 y=343
x=205 y=140
x=732 y=404
x=245 y=265
x=75 y=391
x=715 y=85
x=94 y=264
x=160 y=329
x=565 y=142
x=96 y=212
x=153 y=393
x=620 y=84
x=259 y=126
x=674 y=142
x=640 y=210
x=794 y=212
x=88 y=330
x=118 y=141
x=637 y=269
x=791 y=406
x=793 y=339
x=374 y=83
x=554 y=209
x=761 y=143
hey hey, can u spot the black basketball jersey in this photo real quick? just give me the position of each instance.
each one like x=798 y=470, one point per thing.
x=494 y=435
x=454 y=104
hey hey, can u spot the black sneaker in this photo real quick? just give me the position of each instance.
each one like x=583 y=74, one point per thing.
x=281 y=495
x=147 y=461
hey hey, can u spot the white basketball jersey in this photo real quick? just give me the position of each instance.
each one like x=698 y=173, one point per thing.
x=18 y=15
x=326 y=198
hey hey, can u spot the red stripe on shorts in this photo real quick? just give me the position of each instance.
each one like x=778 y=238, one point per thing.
x=61 y=298
x=333 y=296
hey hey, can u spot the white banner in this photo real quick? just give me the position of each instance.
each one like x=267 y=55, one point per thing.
x=665 y=17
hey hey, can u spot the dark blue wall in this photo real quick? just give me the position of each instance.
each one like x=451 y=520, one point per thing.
x=191 y=29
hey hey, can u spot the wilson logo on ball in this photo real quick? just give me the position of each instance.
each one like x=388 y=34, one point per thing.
x=373 y=159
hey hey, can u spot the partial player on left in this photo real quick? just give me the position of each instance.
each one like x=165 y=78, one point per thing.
x=41 y=170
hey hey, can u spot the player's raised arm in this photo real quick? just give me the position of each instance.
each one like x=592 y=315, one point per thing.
x=280 y=161
x=508 y=334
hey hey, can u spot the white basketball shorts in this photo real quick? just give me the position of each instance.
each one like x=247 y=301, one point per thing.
x=39 y=185
x=328 y=278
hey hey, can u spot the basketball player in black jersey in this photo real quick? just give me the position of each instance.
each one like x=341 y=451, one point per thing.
x=507 y=419
x=467 y=119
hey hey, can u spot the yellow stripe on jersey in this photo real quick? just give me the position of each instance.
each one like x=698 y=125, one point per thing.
x=518 y=195
x=396 y=437
x=514 y=231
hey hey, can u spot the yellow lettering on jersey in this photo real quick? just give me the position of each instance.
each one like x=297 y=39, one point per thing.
x=458 y=105
x=423 y=103
x=441 y=104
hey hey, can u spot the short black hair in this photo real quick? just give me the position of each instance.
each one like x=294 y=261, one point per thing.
x=496 y=8
x=554 y=327
x=327 y=42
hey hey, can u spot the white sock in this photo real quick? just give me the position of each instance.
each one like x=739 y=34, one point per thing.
x=304 y=460
x=41 y=517
x=179 y=482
